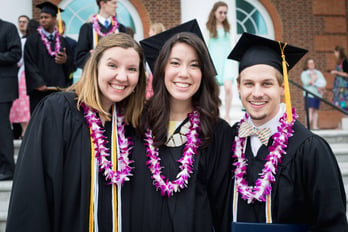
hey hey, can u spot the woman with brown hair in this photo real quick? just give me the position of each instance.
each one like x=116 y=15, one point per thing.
x=340 y=89
x=76 y=153
x=219 y=45
x=182 y=171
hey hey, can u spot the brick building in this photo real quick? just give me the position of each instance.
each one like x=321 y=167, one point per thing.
x=317 y=25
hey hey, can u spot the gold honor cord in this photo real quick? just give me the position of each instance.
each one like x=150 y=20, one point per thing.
x=268 y=209
x=114 y=167
x=91 y=202
x=60 y=24
x=286 y=84
x=114 y=186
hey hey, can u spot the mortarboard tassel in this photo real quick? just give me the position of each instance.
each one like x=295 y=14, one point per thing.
x=60 y=24
x=286 y=84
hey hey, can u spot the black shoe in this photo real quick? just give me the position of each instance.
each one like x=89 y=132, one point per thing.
x=6 y=176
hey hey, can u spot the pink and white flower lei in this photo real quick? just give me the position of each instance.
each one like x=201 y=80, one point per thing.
x=99 y=140
x=267 y=177
x=168 y=187
x=96 y=26
x=47 y=44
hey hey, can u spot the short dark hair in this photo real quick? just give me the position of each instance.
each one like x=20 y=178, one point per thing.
x=24 y=16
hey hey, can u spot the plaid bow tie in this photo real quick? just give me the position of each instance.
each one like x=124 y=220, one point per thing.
x=263 y=134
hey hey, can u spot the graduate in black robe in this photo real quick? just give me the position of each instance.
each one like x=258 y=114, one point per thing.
x=86 y=41
x=201 y=205
x=308 y=191
x=46 y=72
x=52 y=184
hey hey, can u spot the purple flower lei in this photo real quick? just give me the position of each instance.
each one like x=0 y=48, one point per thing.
x=96 y=26
x=101 y=152
x=168 y=187
x=47 y=43
x=263 y=185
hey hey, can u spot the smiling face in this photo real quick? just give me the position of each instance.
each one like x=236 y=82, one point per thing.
x=260 y=92
x=118 y=74
x=182 y=74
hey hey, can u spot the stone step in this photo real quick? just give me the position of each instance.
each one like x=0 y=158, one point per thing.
x=5 y=192
x=334 y=136
x=341 y=151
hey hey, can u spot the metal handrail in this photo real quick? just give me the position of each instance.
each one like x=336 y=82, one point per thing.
x=320 y=99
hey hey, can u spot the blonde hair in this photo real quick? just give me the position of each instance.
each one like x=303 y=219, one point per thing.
x=87 y=88
x=157 y=28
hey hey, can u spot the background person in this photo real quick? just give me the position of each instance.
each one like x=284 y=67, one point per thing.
x=10 y=54
x=340 y=89
x=47 y=57
x=219 y=46
x=314 y=81
x=103 y=23
x=155 y=28
x=19 y=125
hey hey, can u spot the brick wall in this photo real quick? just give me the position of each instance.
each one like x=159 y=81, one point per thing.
x=167 y=12
x=318 y=26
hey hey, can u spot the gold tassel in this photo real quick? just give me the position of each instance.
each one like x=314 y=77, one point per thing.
x=60 y=24
x=286 y=85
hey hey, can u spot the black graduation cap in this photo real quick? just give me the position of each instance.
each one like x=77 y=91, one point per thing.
x=252 y=50
x=153 y=44
x=49 y=8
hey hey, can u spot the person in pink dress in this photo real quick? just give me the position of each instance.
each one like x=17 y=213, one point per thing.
x=20 y=110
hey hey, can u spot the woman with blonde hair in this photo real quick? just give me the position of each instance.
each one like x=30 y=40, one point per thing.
x=76 y=154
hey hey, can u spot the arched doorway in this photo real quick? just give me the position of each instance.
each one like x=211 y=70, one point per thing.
x=77 y=12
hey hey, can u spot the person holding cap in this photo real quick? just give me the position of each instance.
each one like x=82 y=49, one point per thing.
x=285 y=177
x=47 y=56
x=183 y=162
x=103 y=23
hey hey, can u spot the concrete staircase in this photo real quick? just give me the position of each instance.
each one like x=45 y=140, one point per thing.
x=5 y=192
x=338 y=140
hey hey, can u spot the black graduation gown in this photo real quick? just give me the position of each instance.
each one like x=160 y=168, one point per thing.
x=41 y=68
x=308 y=187
x=51 y=188
x=85 y=41
x=199 y=207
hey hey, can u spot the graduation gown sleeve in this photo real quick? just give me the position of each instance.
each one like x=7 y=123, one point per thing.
x=84 y=45
x=52 y=177
x=323 y=187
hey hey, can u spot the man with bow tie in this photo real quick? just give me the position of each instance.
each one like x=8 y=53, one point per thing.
x=285 y=177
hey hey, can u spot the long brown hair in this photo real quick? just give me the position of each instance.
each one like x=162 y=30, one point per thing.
x=206 y=100
x=341 y=54
x=211 y=23
x=87 y=88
